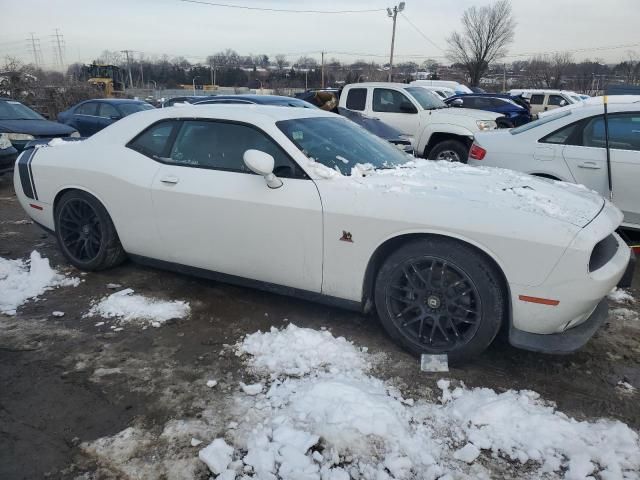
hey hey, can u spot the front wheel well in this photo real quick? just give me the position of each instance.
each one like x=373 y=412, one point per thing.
x=61 y=193
x=388 y=247
x=438 y=137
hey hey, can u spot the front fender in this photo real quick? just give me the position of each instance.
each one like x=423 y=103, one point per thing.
x=444 y=128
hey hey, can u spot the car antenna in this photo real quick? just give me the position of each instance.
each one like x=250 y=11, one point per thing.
x=606 y=146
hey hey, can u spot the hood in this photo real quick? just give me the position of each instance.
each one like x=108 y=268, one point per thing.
x=496 y=188
x=41 y=128
x=467 y=112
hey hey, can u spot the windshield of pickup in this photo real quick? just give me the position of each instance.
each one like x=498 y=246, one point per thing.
x=427 y=99
x=340 y=144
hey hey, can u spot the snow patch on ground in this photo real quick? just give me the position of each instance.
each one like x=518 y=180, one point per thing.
x=22 y=280
x=620 y=296
x=323 y=416
x=129 y=308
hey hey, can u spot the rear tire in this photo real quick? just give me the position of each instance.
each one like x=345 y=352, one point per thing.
x=85 y=233
x=450 y=151
x=438 y=296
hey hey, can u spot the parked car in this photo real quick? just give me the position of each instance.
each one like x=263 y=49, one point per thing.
x=442 y=92
x=304 y=202
x=19 y=125
x=373 y=125
x=8 y=154
x=91 y=116
x=569 y=145
x=455 y=86
x=436 y=131
x=514 y=113
x=257 y=100
x=543 y=100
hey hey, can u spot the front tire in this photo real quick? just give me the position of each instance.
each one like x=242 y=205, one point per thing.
x=450 y=151
x=437 y=296
x=85 y=233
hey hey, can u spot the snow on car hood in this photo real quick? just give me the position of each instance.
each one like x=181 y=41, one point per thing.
x=495 y=187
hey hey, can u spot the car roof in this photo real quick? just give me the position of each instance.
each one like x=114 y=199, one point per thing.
x=380 y=84
x=221 y=110
x=255 y=97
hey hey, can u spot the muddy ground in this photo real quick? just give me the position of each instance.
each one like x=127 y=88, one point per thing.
x=64 y=381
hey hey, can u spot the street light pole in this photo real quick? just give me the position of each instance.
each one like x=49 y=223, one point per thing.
x=394 y=15
x=194 y=85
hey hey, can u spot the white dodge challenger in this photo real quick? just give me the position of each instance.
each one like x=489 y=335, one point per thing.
x=304 y=202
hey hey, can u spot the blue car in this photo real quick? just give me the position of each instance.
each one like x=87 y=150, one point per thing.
x=20 y=125
x=515 y=110
x=91 y=116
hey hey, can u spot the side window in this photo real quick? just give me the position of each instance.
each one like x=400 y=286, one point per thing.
x=556 y=100
x=593 y=133
x=391 y=101
x=107 y=111
x=562 y=135
x=221 y=146
x=88 y=108
x=356 y=99
x=154 y=142
x=536 y=99
x=624 y=132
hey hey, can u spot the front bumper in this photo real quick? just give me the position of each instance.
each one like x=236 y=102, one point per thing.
x=564 y=342
x=627 y=278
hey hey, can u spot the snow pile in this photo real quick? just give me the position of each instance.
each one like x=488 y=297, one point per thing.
x=128 y=308
x=620 y=296
x=59 y=142
x=323 y=416
x=23 y=280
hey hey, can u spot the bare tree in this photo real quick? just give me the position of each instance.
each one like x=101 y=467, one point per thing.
x=281 y=62
x=487 y=32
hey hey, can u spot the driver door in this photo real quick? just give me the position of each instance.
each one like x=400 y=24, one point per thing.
x=395 y=108
x=213 y=213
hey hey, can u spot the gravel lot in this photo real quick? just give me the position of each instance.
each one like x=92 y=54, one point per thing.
x=66 y=382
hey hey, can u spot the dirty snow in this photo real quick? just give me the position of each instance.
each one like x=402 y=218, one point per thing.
x=322 y=415
x=22 y=280
x=128 y=307
x=621 y=296
x=58 y=142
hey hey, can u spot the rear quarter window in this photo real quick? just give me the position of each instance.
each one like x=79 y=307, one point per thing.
x=356 y=99
x=155 y=141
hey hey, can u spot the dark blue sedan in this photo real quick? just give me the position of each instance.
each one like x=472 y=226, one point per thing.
x=92 y=116
x=516 y=113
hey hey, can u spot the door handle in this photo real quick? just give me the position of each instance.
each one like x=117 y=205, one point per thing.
x=589 y=165
x=170 y=180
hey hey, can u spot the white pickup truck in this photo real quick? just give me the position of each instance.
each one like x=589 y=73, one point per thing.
x=436 y=131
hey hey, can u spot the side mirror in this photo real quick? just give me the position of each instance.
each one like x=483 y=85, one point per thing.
x=458 y=102
x=262 y=163
x=563 y=103
x=406 y=107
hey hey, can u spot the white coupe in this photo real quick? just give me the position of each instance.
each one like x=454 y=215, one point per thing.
x=569 y=145
x=305 y=202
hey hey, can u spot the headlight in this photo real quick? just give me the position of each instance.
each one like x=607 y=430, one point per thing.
x=75 y=134
x=4 y=141
x=486 y=124
x=20 y=136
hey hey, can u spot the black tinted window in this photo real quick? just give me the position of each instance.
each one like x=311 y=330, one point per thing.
x=154 y=142
x=536 y=99
x=89 y=108
x=221 y=146
x=556 y=100
x=562 y=135
x=357 y=98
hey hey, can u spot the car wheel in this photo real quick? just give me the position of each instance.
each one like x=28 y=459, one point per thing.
x=86 y=235
x=450 y=151
x=438 y=296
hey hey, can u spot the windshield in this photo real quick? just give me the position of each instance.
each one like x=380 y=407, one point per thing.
x=340 y=144
x=427 y=99
x=129 y=108
x=539 y=122
x=11 y=110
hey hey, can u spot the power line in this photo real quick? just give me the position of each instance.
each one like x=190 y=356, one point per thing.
x=422 y=33
x=281 y=10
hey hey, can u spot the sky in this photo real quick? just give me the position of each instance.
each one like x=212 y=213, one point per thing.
x=177 y=28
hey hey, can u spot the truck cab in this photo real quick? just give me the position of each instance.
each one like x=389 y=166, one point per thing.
x=436 y=131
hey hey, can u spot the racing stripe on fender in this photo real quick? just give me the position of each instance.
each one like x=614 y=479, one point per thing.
x=24 y=170
x=33 y=182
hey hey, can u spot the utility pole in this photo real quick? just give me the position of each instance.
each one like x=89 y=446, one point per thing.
x=322 y=69
x=394 y=15
x=35 y=49
x=127 y=52
x=141 y=76
x=58 y=47
x=504 y=78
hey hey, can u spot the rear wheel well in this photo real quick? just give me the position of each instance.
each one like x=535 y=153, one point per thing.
x=438 y=137
x=393 y=244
